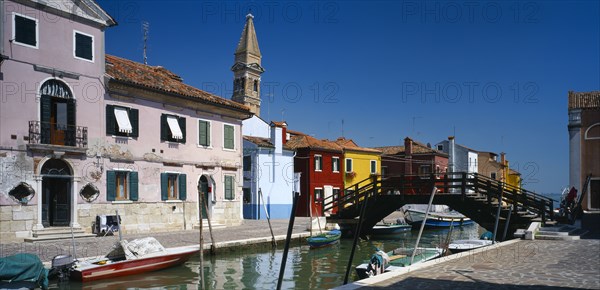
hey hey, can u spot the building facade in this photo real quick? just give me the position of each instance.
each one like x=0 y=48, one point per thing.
x=360 y=163
x=414 y=158
x=51 y=78
x=321 y=168
x=584 y=146
x=189 y=144
x=268 y=167
x=84 y=134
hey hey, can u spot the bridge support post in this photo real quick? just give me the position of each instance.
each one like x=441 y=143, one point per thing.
x=463 y=185
x=497 y=215
x=356 y=236
x=507 y=222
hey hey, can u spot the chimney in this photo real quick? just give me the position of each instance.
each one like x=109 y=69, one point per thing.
x=503 y=158
x=276 y=137
x=408 y=143
x=451 y=154
x=284 y=138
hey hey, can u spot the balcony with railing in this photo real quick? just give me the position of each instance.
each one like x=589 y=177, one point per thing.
x=47 y=135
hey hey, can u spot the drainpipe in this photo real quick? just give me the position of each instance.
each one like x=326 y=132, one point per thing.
x=452 y=160
x=451 y=153
x=2 y=29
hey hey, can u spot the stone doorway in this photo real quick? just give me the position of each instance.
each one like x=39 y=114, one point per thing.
x=206 y=190
x=56 y=193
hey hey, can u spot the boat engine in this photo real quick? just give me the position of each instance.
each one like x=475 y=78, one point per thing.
x=61 y=267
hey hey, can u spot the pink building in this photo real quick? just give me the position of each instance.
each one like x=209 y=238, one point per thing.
x=82 y=134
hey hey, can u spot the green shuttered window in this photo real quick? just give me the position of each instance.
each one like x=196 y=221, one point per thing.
x=84 y=46
x=171 y=127
x=173 y=186
x=229 y=187
x=228 y=137
x=121 y=185
x=112 y=126
x=25 y=30
x=203 y=133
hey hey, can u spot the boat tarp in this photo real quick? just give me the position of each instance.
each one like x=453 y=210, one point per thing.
x=136 y=249
x=23 y=268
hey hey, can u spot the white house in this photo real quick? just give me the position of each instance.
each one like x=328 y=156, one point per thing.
x=268 y=168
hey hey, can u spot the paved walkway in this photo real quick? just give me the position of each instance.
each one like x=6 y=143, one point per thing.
x=251 y=232
x=538 y=264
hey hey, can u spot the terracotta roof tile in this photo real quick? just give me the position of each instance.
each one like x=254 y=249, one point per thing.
x=418 y=148
x=262 y=142
x=279 y=124
x=305 y=141
x=349 y=144
x=159 y=78
x=295 y=133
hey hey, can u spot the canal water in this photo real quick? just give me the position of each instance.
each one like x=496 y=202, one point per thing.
x=258 y=267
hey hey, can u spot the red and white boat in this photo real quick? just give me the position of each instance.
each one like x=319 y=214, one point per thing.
x=130 y=258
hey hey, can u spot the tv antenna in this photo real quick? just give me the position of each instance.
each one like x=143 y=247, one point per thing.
x=145 y=29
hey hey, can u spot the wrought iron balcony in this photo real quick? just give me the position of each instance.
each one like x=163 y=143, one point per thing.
x=57 y=134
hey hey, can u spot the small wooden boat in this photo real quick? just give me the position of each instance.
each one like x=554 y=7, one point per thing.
x=130 y=258
x=23 y=271
x=387 y=230
x=394 y=260
x=324 y=239
x=458 y=246
x=437 y=219
x=466 y=245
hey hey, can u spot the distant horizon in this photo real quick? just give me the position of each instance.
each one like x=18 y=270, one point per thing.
x=494 y=74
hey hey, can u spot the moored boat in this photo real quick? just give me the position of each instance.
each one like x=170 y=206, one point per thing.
x=23 y=271
x=458 y=246
x=387 y=230
x=394 y=260
x=130 y=258
x=325 y=239
x=437 y=219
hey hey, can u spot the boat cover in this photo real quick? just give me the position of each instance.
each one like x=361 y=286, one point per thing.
x=135 y=249
x=23 y=268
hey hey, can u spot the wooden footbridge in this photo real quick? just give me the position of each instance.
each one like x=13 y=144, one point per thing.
x=476 y=196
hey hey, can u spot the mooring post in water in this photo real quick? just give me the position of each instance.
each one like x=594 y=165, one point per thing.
x=273 y=242
x=497 y=215
x=73 y=243
x=212 y=238
x=356 y=236
x=119 y=225
x=287 y=239
x=507 y=222
x=201 y=195
x=412 y=257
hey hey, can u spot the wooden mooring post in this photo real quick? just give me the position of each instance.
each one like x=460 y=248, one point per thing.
x=356 y=236
x=273 y=242
x=287 y=239
x=201 y=195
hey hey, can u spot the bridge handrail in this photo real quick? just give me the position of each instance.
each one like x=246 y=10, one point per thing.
x=473 y=181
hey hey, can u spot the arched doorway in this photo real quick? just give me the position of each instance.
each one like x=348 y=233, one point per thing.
x=206 y=190
x=57 y=114
x=56 y=193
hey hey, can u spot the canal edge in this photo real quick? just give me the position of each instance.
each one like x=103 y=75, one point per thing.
x=385 y=276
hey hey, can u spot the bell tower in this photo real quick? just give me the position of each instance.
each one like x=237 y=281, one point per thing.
x=247 y=69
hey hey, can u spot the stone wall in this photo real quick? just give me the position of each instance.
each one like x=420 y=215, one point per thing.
x=16 y=222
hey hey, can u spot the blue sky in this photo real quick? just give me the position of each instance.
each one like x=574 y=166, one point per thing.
x=496 y=74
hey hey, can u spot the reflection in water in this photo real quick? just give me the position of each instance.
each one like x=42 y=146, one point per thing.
x=258 y=268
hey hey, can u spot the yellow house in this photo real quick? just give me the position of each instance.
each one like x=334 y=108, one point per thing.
x=360 y=163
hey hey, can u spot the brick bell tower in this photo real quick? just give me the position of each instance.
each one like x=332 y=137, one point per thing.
x=247 y=69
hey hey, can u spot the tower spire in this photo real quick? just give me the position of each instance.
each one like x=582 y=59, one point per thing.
x=247 y=68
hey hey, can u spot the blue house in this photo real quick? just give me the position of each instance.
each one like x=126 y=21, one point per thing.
x=268 y=170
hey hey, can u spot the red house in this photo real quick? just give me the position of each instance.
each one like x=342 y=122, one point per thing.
x=319 y=162
x=412 y=158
